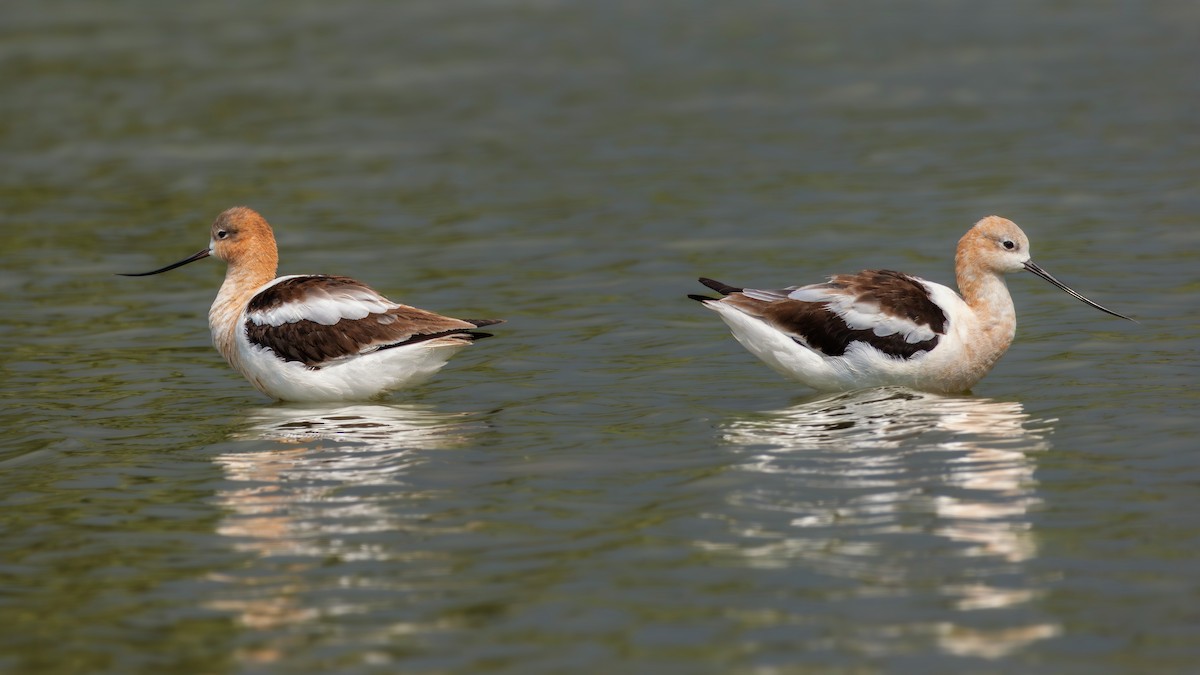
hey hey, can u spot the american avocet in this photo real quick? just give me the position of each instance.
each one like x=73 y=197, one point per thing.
x=315 y=337
x=879 y=327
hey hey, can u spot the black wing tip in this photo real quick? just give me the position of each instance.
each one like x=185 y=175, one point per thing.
x=460 y=333
x=703 y=298
x=479 y=323
x=722 y=288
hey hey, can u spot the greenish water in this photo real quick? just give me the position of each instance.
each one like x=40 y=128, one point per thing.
x=611 y=484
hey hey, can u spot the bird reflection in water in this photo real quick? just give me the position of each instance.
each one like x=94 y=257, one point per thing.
x=917 y=497
x=314 y=489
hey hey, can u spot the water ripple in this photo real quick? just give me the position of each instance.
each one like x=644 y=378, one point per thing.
x=921 y=502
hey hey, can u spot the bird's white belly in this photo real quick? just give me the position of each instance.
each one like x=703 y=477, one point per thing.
x=941 y=369
x=357 y=378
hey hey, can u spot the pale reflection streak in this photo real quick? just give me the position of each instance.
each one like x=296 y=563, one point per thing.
x=301 y=501
x=856 y=474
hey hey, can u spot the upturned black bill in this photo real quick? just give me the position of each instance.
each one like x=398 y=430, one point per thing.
x=1029 y=265
x=201 y=254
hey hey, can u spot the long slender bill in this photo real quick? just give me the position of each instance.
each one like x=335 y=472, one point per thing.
x=1029 y=265
x=201 y=254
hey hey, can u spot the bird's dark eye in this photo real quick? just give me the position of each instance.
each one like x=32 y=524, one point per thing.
x=222 y=234
x=1008 y=244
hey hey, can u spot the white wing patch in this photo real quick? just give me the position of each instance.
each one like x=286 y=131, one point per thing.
x=765 y=296
x=813 y=293
x=869 y=316
x=324 y=305
x=857 y=315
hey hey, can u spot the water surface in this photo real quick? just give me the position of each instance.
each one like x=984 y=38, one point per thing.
x=611 y=483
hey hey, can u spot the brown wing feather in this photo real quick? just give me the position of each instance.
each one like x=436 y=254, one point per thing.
x=897 y=294
x=316 y=343
x=818 y=326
